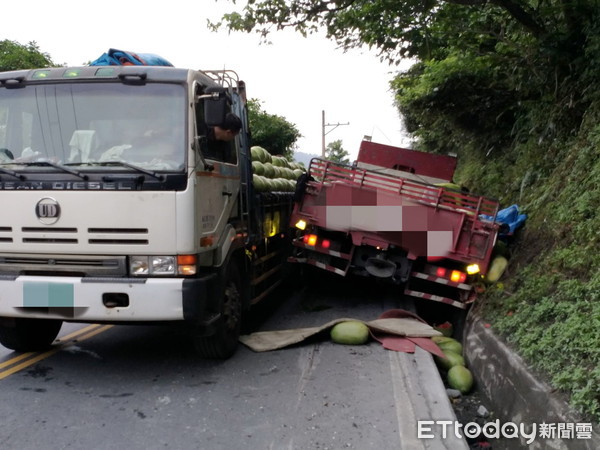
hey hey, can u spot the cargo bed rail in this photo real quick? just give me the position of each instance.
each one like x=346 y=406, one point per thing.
x=470 y=218
x=325 y=172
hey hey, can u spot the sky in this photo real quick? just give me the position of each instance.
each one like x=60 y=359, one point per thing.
x=294 y=77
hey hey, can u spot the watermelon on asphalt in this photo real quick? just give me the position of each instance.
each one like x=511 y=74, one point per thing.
x=350 y=332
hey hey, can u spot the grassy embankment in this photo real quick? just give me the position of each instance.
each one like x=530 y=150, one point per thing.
x=547 y=305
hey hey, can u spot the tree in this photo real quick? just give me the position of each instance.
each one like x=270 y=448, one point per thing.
x=405 y=29
x=335 y=152
x=15 y=56
x=483 y=65
x=271 y=131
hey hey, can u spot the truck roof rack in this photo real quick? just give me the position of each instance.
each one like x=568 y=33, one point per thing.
x=228 y=79
x=225 y=77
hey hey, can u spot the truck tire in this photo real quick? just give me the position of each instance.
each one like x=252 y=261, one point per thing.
x=28 y=335
x=224 y=341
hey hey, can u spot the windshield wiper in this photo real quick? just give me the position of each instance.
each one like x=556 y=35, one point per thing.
x=13 y=173
x=56 y=166
x=123 y=164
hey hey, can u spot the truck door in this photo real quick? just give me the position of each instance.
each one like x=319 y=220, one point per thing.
x=217 y=184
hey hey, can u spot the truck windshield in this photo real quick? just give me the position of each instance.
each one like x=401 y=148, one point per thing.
x=84 y=125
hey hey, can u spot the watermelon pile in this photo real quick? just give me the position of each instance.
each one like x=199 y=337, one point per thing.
x=273 y=173
x=458 y=376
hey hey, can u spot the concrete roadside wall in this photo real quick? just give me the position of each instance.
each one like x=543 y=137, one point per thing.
x=515 y=394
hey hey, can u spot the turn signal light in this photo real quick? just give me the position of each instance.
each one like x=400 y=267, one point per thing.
x=301 y=225
x=458 y=276
x=186 y=264
x=472 y=269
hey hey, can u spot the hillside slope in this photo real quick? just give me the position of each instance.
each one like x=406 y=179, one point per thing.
x=547 y=305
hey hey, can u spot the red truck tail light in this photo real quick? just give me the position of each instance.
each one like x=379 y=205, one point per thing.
x=313 y=240
x=457 y=276
x=441 y=272
x=310 y=239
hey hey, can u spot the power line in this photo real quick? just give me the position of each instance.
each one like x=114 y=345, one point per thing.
x=323 y=133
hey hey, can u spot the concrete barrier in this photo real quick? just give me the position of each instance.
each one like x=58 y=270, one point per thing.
x=516 y=395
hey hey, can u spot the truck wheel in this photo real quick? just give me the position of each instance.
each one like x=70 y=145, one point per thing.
x=223 y=343
x=28 y=335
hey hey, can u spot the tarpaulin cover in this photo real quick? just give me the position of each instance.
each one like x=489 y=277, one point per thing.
x=116 y=57
x=397 y=330
x=509 y=216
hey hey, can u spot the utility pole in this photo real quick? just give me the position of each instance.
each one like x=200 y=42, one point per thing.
x=323 y=133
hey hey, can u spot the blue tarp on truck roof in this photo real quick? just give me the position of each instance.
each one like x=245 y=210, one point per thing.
x=116 y=57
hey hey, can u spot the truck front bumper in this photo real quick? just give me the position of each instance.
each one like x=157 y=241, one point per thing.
x=105 y=299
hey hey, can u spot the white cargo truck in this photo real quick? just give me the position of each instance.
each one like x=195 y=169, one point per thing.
x=118 y=208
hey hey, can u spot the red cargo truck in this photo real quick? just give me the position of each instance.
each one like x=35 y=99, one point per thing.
x=396 y=215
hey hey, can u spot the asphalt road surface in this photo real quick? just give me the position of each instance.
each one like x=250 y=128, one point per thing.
x=141 y=387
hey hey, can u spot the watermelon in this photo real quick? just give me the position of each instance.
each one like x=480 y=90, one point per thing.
x=280 y=161
x=269 y=170
x=452 y=359
x=440 y=339
x=460 y=378
x=269 y=185
x=497 y=268
x=267 y=156
x=259 y=153
x=260 y=183
x=452 y=346
x=258 y=168
x=279 y=185
x=350 y=332
x=256 y=153
x=278 y=171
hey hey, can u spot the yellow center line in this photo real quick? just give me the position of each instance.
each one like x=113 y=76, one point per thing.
x=88 y=335
x=78 y=332
x=28 y=363
x=16 y=359
x=81 y=335
x=26 y=355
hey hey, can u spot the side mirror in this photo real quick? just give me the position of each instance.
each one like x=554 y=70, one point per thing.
x=216 y=104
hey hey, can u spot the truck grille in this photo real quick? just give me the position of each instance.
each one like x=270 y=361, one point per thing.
x=72 y=265
x=124 y=236
x=3 y=236
x=65 y=236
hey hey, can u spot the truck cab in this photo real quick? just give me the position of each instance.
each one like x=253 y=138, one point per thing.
x=115 y=208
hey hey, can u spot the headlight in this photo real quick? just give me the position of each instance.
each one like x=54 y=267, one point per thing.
x=138 y=265
x=162 y=265
x=152 y=265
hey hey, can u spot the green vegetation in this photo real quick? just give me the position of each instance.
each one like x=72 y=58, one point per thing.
x=511 y=86
x=526 y=132
x=335 y=152
x=14 y=56
x=272 y=131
